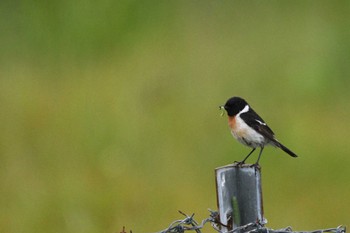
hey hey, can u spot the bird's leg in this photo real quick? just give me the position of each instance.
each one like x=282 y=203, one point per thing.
x=242 y=162
x=257 y=162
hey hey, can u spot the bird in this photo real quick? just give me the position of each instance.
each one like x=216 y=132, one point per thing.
x=249 y=128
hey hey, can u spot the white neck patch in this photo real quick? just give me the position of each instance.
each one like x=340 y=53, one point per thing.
x=245 y=109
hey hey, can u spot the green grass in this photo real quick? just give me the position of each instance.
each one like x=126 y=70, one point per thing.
x=109 y=112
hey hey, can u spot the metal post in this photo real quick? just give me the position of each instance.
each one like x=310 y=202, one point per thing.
x=239 y=195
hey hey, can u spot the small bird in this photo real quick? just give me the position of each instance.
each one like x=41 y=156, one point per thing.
x=249 y=128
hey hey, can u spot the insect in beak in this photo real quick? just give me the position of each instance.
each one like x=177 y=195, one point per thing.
x=222 y=109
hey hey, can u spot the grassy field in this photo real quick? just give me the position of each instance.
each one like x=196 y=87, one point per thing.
x=109 y=110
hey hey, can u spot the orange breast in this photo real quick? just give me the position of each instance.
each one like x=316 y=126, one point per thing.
x=237 y=130
x=232 y=122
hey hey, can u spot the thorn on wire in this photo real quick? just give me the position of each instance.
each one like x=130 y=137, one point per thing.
x=123 y=231
x=186 y=214
x=182 y=213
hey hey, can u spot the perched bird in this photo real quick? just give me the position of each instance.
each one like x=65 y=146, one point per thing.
x=249 y=128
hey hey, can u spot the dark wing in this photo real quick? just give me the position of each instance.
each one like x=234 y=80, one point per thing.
x=258 y=124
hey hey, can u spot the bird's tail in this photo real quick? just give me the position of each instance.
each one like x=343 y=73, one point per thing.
x=285 y=149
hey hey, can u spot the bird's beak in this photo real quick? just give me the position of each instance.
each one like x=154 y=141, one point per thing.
x=222 y=109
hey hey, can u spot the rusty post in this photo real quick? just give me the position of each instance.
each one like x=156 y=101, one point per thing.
x=239 y=195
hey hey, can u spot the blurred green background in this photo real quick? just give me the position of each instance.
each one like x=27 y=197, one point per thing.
x=109 y=110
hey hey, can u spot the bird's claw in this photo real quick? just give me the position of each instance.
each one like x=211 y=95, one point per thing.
x=238 y=163
x=255 y=165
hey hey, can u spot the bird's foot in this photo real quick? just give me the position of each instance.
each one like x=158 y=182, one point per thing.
x=238 y=163
x=255 y=165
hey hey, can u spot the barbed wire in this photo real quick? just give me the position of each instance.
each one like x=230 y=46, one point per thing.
x=189 y=224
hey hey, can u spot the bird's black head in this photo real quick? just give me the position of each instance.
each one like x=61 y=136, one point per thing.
x=234 y=105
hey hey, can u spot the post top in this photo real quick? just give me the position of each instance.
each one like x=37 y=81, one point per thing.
x=239 y=166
